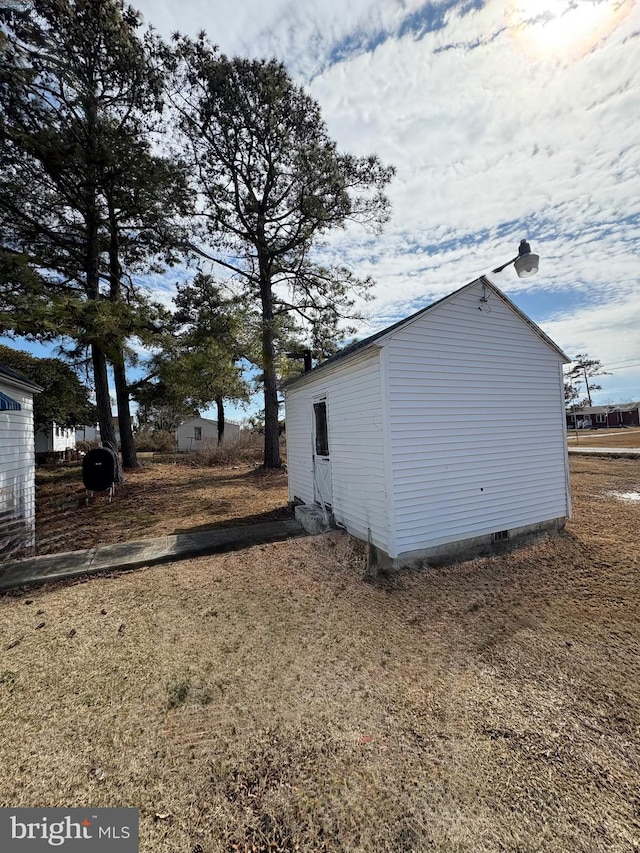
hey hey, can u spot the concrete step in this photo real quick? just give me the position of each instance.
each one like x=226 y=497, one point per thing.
x=314 y=519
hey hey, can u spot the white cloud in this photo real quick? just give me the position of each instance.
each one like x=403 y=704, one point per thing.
x=608 y=332
x=499 y=129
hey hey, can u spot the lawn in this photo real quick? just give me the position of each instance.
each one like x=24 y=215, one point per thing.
x=604 y=438
x=162 y=498
x=271 y=700
x=155 y=499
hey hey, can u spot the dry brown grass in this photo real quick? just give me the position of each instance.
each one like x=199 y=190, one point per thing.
x=155 y=499
x=271 y=700
x=248 y=447
x=605 y=438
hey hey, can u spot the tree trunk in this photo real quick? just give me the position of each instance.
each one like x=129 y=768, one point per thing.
x=586 y=382
x=127 y=443
x=98 y=357
x=220 y=408
x=103 y=401
x=271 y=437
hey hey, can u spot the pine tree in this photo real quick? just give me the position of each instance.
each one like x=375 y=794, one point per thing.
x=583 y=370
x=76 y=83
x=199 y=360
x=272 y=183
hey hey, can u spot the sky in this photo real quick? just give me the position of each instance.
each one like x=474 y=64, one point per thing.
x=505 y=120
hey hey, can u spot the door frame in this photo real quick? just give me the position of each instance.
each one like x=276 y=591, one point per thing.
x=325 y=461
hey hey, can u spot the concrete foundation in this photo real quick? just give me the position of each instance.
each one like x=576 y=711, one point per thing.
x=314 y=519
x=468 y=549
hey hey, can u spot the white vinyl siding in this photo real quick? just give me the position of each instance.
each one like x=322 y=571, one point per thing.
x=476 y=424
x=55 y=439
x=64 y=439
x=299 y=432
x=17 y=473
x=353 y=393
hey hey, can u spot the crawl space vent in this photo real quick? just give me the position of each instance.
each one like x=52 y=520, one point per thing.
x=500 y=536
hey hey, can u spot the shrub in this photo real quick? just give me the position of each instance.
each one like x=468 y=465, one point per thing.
x=85 y=446
x=248 y=447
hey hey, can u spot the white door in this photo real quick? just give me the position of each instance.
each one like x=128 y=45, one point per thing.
x=321 y=460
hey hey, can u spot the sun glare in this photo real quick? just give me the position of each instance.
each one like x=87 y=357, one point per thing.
x=565 y=29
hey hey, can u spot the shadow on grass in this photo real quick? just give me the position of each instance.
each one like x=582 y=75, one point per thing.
x=56 y=473
x=256 y=475
x=279 y=514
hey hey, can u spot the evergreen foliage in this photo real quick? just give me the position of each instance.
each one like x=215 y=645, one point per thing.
x=583 y=370
x=199 y=360
x=83 y=198
x=273 y=184
x=254 y=185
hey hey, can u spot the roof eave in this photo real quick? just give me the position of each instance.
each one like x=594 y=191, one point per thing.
x=31 y=387
x=329 y=363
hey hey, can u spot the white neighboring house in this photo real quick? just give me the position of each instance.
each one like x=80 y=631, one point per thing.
x=202 y=433
x=55 y=439
x=17 y=462
x=88 y=432
x=91 y=432
x=422 y=438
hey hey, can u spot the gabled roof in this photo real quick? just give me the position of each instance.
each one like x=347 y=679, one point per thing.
x=588 y=410
x=199 y=418
x=17 y=379
x=378 y=337
x=208 y=421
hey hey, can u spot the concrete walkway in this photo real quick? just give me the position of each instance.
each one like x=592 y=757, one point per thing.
x=622 y=452
x=143 y=552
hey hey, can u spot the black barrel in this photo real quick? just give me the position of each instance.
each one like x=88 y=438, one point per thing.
x=99 y=468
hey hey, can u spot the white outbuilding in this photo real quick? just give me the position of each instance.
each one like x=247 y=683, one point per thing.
x=442 y=436
x=55 y=439
x=202 y=434
x=17 y=462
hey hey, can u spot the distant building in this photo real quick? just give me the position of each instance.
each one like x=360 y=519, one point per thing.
x=55 y=439
x=91 y=432
x=605 y=417
x=202 y=433
x=87 y=433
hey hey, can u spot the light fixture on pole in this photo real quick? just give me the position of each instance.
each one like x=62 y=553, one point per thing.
x=526 y=262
